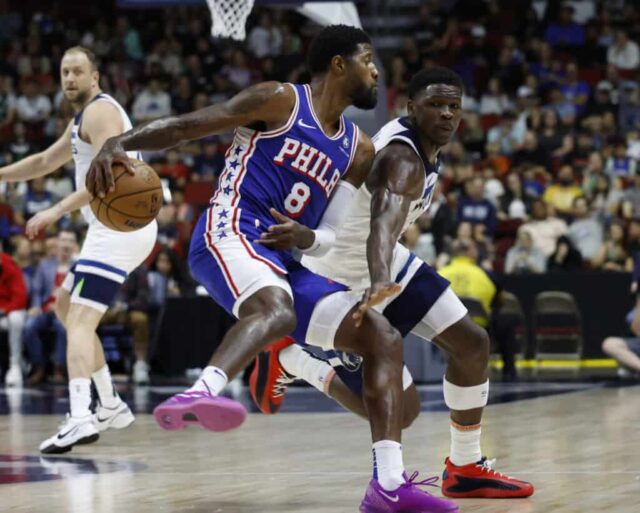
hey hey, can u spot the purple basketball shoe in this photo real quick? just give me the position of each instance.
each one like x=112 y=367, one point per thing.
x=406 y=499
x=201 y=408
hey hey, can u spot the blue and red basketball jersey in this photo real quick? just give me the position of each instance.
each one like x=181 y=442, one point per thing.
x=293 y=169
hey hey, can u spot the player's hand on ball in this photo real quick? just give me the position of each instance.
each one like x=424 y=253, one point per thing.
x=373 y=296
x=41 y=220
x=287 y=234
x=100 y=175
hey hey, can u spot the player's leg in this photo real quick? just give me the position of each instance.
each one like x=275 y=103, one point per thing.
x=285 y=361
x=381 y=349
x=466 y=388
x=112 y=411
x=625 y=351
x=253 y=288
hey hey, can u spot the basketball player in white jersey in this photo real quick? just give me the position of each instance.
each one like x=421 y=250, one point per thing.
x=106 y=257
x=397 y=192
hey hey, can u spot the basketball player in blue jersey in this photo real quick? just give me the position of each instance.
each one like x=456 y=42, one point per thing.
x=105 y=259
x=397 y=192
x=297 y=159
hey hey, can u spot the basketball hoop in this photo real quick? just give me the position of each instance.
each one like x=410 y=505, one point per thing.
x=229 y=17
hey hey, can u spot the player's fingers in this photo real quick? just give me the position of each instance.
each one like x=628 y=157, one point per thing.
x=126 y=163
x=280 y=228
x=99 y=181
x=278 y=216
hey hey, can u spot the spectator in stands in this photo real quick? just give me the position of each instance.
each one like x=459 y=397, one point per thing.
x=565 y=32
x=619 y=164
x=513 y=203
x=585 y=232
x=494 y=101
x=505 y=133
x=473 y=136
x=37 y=198
x=209 y=163
x=174 y=168
x=624 y=53
x=265 y=39
x=524 y=257
x=19 y=146
x=237 y=73
x=41 y=316
x=629 y=113
x=131 y=309
x=601 y=100
x=612 y=255
x=419 y=243
x=575 y=90
x=468 y=279
x=182 y=96
x=24 y=260
x=474 y=208
x=33 y=107
x=544 y=227
x=13 y=303
x=563 y=191
x=565 y=258
x=550 y=138
x=531 y=152
x=127 y=39
x=152 y=103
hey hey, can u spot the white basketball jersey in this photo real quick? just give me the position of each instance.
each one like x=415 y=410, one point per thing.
x=83 y=152
x=346 y=262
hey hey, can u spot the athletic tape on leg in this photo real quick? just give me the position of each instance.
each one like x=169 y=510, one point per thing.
x=465 y=398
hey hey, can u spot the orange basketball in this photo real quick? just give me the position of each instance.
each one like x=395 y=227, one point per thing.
x=134 y=203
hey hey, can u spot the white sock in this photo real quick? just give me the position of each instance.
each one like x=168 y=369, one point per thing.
x=387 y=464
x=80 y=397
x=301 y=364
x=465 y=444
x=107 y=394
x=212 y=380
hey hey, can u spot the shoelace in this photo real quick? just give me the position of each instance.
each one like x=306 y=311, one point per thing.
x=430 y=481
x=282 y=382
x=487 y=466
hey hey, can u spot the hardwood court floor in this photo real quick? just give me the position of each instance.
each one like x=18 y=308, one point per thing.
x=579 y=449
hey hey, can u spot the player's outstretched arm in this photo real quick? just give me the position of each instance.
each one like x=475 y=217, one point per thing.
x=51 y=215
x=42 y=163
x=395 y=180
x=268 y=102
x=100 y=121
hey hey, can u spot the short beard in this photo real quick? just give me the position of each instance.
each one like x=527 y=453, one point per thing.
x=365 y=99
x=80 y=100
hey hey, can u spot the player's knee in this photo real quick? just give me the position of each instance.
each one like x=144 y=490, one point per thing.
x=279 y=314
x=378 y=336
x=611 y=345
x=474 y=346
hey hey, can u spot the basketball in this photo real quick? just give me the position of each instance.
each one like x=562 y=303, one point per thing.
x=134 y=203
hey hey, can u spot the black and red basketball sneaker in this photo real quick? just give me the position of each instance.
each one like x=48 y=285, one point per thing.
x=479 y=480
x=269 y=381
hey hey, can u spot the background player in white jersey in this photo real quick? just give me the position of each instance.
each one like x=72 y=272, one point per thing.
x=397 y=192
x=106 y=257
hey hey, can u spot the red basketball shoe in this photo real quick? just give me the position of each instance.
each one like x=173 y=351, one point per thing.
x=269 y=381
x=479 y=480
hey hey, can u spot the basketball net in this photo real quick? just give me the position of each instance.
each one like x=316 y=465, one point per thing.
x=229 y=17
